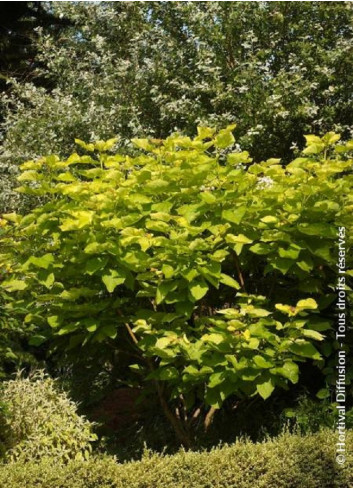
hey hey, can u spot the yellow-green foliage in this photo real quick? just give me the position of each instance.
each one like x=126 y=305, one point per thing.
x=288 y=461
x=220 y=268
x=41 y=421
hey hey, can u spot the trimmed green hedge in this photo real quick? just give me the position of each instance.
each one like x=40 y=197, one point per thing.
x=287 y=461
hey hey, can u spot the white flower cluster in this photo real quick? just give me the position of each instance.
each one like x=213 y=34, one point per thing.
x=264 y=182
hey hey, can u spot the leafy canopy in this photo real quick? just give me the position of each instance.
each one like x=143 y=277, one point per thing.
x=216 y=272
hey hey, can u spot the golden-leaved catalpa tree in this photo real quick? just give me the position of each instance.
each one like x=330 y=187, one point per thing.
x=215 y=274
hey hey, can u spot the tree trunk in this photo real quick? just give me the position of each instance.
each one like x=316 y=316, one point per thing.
x=178 y=427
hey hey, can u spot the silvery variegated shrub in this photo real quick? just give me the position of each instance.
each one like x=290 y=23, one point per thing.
x=278 y=69
x=41 y=421
x=214 y=271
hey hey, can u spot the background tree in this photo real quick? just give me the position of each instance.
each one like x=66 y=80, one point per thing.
x=19 y=22
x=21 y=25
x=278 y=69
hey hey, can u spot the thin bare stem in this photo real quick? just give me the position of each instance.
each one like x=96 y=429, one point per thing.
x=239 y=272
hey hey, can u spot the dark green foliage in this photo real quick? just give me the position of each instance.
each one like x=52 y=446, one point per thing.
x=15 y=351
x=4 y=429
x=308 y=414
x=22 y=23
